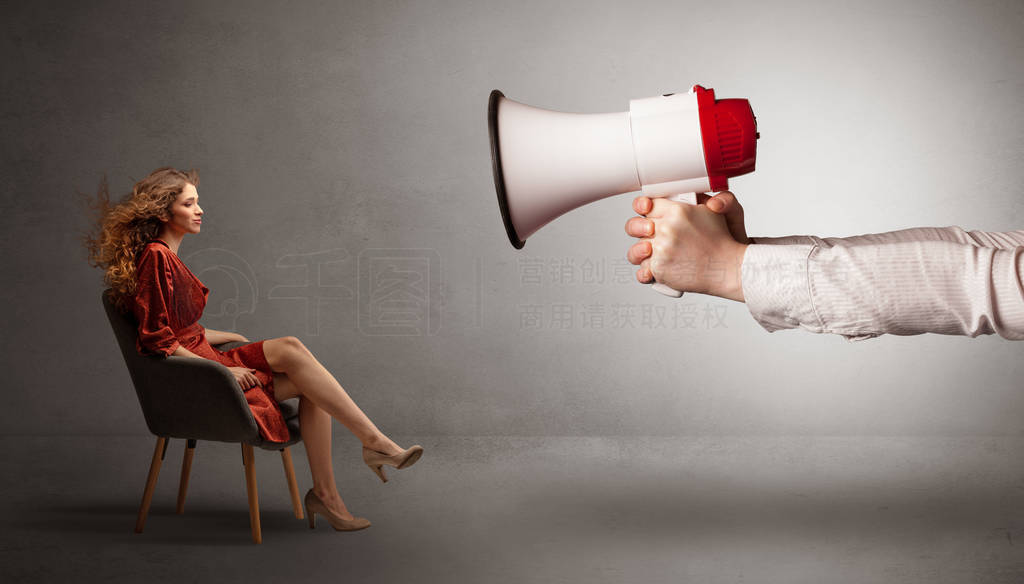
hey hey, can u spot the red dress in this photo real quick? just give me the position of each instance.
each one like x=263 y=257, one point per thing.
x=168 y=304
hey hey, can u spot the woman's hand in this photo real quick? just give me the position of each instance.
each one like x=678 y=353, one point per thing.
x=245 y=377
x=239 y=337
x=690 y=247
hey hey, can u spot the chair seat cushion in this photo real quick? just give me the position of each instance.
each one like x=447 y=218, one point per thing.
x=290 y=411
x=289 y=408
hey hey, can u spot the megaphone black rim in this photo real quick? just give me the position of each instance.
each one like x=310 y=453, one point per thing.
x=499 y=174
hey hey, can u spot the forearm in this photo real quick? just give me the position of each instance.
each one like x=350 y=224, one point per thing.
x=181 y=351
x=219 y=337
x=952 y=234
x=903 y=287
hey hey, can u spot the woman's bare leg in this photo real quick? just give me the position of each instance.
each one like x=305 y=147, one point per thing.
x=316 y=434
x=315 y=424
x=312 y=380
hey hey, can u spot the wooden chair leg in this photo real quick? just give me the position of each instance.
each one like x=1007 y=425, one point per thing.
x=293 y=486
x=186 y=468
x=154 y=471
x=250 y=487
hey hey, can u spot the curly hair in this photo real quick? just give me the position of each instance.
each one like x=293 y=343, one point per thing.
x=122 y=230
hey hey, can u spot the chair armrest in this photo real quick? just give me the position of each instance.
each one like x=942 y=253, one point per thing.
x=185 y=397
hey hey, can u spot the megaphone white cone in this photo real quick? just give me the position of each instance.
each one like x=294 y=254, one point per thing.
x=547 y=163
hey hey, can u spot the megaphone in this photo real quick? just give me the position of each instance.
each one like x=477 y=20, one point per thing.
x=547 y=163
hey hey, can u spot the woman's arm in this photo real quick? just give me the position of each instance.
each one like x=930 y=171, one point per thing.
x=150 y=303
x=218 y=337
x=181 y=351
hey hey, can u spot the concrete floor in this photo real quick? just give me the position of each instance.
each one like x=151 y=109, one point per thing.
x=503 y=509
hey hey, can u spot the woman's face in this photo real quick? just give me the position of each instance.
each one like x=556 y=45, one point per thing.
x=186 y=214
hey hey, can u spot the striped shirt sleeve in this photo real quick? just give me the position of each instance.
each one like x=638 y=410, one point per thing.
x=908 y=282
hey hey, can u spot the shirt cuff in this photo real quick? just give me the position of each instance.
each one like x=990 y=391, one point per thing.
x=775 y=287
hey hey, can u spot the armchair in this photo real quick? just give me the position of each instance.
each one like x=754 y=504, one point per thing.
x=197 y=399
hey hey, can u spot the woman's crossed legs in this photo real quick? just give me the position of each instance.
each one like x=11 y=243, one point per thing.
x=297 y=373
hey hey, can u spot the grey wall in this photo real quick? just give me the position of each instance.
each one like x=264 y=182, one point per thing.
x=340 y=140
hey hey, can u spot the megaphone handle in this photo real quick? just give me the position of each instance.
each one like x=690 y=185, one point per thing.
x=689 y=199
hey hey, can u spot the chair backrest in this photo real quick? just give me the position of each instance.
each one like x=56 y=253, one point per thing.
x=182 y=397
x=126 y=330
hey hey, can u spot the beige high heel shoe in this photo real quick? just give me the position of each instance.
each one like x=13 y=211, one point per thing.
x=315 y=505
x=376 y=460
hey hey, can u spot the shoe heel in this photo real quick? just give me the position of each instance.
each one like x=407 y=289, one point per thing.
x=312 y=518
x=380 y=472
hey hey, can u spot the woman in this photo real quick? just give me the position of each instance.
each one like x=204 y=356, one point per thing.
x=137 y=246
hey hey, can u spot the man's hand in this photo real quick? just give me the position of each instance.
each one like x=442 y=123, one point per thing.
x=692 y=248
x=725 y=203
